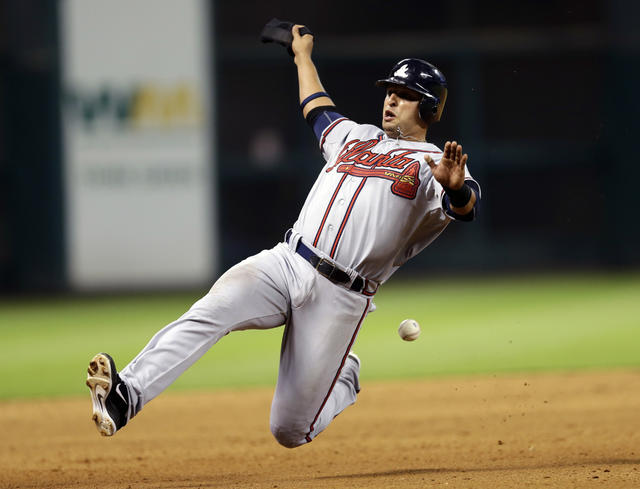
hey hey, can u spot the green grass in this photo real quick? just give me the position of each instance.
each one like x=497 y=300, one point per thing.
x=468 y=326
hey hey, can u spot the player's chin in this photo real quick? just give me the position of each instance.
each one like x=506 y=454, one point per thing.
x=389 y=125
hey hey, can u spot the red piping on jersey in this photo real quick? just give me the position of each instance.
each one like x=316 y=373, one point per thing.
x=346 y=217
x=329 y=129
x=335 y=379
x=326 y=213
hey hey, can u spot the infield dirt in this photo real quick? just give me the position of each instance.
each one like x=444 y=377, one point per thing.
x=569 y=430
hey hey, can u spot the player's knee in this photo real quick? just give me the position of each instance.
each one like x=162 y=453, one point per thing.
x=287 y=436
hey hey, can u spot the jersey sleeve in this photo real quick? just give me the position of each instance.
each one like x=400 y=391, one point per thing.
x=332 y=129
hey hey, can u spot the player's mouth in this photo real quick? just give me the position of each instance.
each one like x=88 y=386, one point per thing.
x=388 y=115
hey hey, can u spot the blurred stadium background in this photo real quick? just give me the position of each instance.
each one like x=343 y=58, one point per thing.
x=147 y=145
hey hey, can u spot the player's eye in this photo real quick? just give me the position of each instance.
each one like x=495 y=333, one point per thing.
x=403 y=94
x=407 y=95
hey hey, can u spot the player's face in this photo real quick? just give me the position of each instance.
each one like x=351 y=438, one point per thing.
x=400 y=117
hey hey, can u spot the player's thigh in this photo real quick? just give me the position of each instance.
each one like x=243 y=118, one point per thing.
x=317 y=340
x=250 y=295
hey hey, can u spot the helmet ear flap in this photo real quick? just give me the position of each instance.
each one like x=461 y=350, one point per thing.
x=428 y=107
x=431 y=106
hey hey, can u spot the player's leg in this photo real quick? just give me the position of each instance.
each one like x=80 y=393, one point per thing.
x=251 y=295
x=317 y=377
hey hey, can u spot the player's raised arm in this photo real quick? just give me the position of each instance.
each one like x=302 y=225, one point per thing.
x=311 y=91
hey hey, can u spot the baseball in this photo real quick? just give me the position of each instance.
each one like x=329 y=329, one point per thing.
x=409 y=330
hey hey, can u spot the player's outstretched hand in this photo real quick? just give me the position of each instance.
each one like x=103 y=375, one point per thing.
x=449 y=171
x=301 y=45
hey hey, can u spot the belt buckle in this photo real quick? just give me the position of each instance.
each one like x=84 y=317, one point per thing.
x=329 y=275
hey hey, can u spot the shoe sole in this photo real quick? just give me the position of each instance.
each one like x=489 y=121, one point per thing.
x=100 y=383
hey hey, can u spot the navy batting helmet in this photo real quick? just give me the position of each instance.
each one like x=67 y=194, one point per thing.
x=424 y=78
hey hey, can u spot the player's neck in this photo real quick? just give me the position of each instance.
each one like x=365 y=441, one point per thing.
x=419 y=136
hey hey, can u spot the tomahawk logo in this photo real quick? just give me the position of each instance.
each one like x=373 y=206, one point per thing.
x=402 y=72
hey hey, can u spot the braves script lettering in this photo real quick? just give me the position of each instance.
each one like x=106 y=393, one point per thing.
x=357 y=159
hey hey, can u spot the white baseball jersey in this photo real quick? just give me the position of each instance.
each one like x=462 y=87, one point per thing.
x=375 y=203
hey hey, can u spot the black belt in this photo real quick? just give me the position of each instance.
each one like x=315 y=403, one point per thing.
x=326 y=268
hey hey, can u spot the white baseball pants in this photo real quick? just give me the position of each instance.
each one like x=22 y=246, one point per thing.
x=316 y=380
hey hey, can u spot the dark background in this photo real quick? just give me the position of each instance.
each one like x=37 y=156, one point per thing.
x=543 y=95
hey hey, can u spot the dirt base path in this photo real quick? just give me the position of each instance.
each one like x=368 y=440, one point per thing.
x=536 y=430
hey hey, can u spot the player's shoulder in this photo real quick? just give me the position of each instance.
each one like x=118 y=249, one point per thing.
x=341 y=125
x=430 y=148
x=423 y=147
x=349 y=130
x=367 y=131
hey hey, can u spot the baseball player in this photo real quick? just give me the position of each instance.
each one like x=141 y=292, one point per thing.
x=383 y=195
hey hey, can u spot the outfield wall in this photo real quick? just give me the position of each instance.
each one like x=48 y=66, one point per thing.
x=544 y=101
